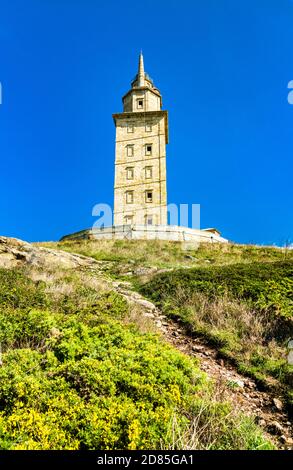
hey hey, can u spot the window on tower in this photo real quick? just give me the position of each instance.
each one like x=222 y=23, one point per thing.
x=139 y=103
x=128 y=219
x=130 y=150
x=129 y=197
x=130 y=172
x=148 y=128
x=148 y=149
x=130 y=128
x=149 y=196
x=148 y=172
x=149 y=220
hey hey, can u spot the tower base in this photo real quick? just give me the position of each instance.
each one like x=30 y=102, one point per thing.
x=149 y=232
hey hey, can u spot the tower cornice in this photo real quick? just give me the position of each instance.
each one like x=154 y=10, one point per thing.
x=144 y=114
x=142 y=88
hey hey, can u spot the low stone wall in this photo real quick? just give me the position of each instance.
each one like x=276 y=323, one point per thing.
x=153 y=232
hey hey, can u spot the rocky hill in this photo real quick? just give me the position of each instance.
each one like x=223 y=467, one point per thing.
x=144 y=344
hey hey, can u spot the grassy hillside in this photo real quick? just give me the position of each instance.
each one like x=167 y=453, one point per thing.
x=76 y=374
x=245 y=310
x=163 y=254
x=238 y=297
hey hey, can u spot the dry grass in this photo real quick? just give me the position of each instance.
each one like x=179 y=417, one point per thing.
x=63 y=283
x=37 y=275
x=227 y=314
x=79 y=286
x=136 y=316
x=247 y=336
x=206 y=425
x=167 y=254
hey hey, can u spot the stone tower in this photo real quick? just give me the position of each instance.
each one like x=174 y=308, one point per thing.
x=140 y=196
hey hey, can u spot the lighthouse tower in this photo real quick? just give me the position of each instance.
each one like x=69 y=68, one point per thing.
x=140 y=196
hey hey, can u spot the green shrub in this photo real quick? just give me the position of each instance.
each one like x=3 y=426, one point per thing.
x=19 y=291
x=245 y=310
x=25 y=328
x=265 y=285
x=122 y=392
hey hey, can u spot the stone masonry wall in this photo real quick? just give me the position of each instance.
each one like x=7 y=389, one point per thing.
x=140 y=164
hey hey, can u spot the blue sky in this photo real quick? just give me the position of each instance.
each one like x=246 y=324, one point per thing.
x=223 y=69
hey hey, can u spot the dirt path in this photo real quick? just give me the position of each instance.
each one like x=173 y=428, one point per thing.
x=264 y=406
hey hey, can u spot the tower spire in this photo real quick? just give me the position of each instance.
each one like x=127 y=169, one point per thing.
x=140 y=70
